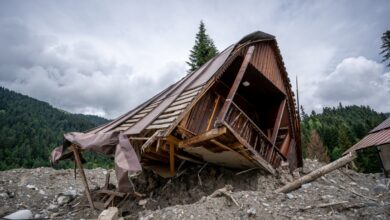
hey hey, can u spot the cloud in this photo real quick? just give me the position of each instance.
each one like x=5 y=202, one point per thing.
x=74 y=75
x=356 y=80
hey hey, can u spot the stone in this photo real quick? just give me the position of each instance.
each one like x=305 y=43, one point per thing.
x=380 y=188
x=290 y=196
x=4 y=195
x=31 y=187
x=109 y=214
x=20 y=214
x=143 y=202
x=61 y=200
x=251 y=211
x=305 y=186
x=52 y=207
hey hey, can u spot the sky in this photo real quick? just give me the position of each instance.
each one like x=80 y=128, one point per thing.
x=107 y=57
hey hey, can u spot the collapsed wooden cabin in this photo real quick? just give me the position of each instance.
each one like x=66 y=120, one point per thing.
x=237 y=111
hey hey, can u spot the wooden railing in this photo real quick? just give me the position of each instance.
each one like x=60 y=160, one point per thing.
x=252 y=134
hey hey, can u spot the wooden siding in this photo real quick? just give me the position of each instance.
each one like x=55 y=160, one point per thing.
x=264 y=60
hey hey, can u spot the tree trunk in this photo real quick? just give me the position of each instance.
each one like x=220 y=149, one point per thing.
x=317 y=173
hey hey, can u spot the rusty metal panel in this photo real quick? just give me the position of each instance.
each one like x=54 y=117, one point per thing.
x=373 y=139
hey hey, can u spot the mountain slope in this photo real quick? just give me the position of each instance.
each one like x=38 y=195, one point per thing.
x=30 y=129
x=340 y=128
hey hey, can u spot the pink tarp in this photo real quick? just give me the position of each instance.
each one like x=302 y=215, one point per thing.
x=126 y=159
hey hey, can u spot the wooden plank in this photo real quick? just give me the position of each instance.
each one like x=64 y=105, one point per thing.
x=178 y=102
x=278 y=121
x=213 y=113
x=173 y=139
x=172 y=159
x=126 y=125
x=165 y=120
x=139 y=115
x=187 y=96
x=178 y=107
x=158 y=126
x=203 y=137
x=167 y=115
x=235 y=85
x=219 y=144
x=132 y=120
x=83 y=177
x=146 y=110
x=150 y=140
x=191 y=90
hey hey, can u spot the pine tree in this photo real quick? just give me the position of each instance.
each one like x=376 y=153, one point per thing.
x=386 y=47
x=203 y=50
x=316 y=149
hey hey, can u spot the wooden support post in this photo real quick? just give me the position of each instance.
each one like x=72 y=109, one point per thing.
x=213 y=113
x=235 y=85
x=84 y=179
x=277 y=122
x=318 y=173
x=172 y=159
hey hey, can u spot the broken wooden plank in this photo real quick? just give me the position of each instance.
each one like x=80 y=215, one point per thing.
x=167 y=115
x=150 y=141
x=318 y=173
x=203 y=137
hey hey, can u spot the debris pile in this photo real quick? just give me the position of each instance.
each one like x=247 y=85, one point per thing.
x=201 y=192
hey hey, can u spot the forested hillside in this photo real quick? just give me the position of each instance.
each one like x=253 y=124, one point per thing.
x=30 y=129
x=327 y=135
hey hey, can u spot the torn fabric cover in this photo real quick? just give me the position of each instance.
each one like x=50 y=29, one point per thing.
x=126 y=159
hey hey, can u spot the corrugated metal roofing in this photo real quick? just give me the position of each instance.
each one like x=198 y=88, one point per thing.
x=380 y=135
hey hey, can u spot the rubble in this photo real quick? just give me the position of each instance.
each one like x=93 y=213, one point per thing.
x=329 y=197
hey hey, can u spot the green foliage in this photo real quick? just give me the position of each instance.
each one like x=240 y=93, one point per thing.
x=30 y=129
x=340 y=128
x=203 y=50
x=386 y=47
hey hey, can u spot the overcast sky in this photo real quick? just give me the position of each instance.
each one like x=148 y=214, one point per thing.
x=106 y=57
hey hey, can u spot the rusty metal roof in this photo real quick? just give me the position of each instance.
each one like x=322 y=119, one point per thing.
x=378 y=136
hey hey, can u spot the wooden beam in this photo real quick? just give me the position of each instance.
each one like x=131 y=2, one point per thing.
x=83 y=178
x=219 y=144
x=318 y=173
x=213 y=113
x=256 y=156
x=213 y=133
x=278 y=121
x=150 y=140
x=173 y=139
x=171 y=159
x=285 y=145
x=235 y=85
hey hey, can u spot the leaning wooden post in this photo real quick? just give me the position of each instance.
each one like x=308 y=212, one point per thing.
x=317 y=173
x=80 y=166
x=171 y=159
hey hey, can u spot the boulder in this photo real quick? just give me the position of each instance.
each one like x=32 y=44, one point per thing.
x=20 y=214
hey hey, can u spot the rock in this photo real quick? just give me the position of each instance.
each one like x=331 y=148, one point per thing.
x=42 y=192
x=380 y=188
x=37 y=216
x=290 y=196
x=52 y=207
x=53 y=215
x=4 y=195
x=143 y=202
x=265 y=204
x=61 y=200
x=31 y=187
x=109 y=214
x=20 y=214
x=305 y=186
x=251 y=211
